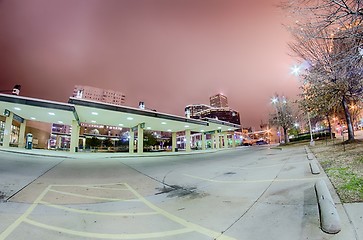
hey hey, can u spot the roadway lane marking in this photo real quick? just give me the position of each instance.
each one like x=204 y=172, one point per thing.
x=93 y=185
x=105 y=188
x=69 y=209
x=91 y=197
x=106 y=235
x=189 y=225
x=15 y=224
x=253 y=181
x=268 y=166
x=248 y=168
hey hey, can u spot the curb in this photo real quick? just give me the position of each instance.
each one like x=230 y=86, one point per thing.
x=35 y=154
x=307 y=149
x=314 y=167
x=329 y=218
x=310 y=156
x=79 y=155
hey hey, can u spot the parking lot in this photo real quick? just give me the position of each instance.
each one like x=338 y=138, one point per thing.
x=258 y=192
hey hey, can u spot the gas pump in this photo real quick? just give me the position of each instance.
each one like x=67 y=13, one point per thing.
x=29 y=141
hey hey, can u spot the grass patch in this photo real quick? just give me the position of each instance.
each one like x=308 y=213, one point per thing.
x=344 y=166
x=359 y=159
x=325 y=164
x=354 y=184
x=339 y=172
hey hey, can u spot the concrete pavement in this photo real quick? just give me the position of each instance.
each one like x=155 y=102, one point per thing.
x=248 y=193
x=88 y=155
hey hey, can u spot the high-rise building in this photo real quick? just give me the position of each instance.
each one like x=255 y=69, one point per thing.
x=219 y=110
x=99 y=94
x=218 y=101
x=223 y=114
x=194 y=110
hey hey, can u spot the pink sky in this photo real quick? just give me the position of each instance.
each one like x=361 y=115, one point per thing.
x=166 y=53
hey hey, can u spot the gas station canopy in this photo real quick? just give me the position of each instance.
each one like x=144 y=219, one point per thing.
x=37 y=109
x=92 y=112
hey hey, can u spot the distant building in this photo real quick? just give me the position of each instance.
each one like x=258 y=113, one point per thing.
x=223 y=114
x=194 y=110
x=218 y=110
x=99 y=94
x=218 y=101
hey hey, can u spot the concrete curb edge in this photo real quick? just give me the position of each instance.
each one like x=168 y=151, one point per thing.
x=314 y=167
x=36 y=154
x=329 y=218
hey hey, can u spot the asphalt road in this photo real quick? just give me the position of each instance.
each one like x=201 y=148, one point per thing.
x=247 y=193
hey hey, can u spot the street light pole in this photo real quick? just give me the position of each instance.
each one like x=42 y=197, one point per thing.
x=295 y=70
x=275 y=100
x=312 y=143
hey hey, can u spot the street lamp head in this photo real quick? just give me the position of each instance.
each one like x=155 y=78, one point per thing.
x=274 y=100
x=295 y=70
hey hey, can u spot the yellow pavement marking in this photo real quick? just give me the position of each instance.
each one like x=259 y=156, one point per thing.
x=96 y=213
x=15 y=224
x=252 y=181
x=109 y=236
x=91 y=185
x=246 y=168
x=107 y=188
x=268 y=166
x=181 y=221
x=189 y=227
x=90 y=197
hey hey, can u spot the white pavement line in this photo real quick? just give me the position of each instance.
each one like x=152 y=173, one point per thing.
x=69 y=209
x=106 y=235
x=91 y=197
x=329 y=217
x=189 y=225
x=15 y=224
x=252 y=181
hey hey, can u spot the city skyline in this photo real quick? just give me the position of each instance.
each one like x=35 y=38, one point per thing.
x=165 y=54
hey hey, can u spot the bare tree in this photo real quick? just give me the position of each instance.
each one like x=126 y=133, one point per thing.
x=283 y=116
x=330 y=39
x=324 y=14
x=318 y=100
